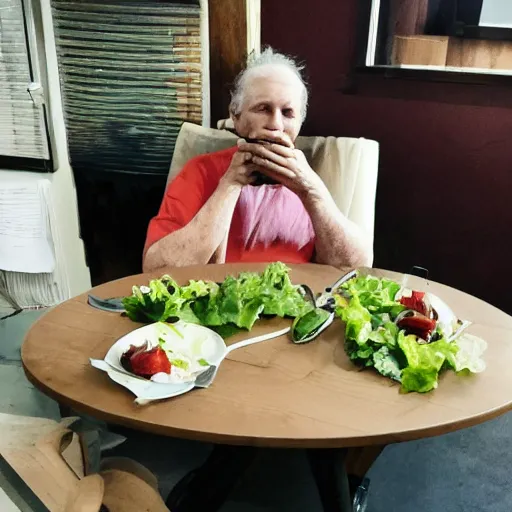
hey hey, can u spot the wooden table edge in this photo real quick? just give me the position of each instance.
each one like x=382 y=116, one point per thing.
x=267 y=442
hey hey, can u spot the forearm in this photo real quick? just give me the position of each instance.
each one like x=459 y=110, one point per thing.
x=196 y=242
x=339 y=241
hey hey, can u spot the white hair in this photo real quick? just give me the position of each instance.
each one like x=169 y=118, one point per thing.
x=267 y=58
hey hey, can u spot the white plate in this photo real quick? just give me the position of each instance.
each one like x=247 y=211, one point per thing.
x=201 y=341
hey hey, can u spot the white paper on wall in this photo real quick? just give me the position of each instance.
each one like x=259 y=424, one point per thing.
x=26 y=243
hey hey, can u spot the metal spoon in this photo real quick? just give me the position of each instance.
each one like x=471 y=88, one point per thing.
x=322 y=316
x=307 y=327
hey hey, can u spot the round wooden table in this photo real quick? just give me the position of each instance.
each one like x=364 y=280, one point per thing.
x=273 y=394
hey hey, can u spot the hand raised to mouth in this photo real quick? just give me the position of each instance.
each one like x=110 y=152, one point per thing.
x=269 y=139
x=279 y=160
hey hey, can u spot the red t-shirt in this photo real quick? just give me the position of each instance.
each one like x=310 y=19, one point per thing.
x=269 y=222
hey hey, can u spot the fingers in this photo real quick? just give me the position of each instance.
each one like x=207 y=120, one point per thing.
x=275 y=136
x=268 y=165
x=267 y=150
x=250 y=179
x=242 y=168
x=241 y=157
x=256 y=157
x=281 y=150
x=265 y=155
x=273 y=157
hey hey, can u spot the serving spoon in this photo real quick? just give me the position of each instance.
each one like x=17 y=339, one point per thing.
x=309 y=326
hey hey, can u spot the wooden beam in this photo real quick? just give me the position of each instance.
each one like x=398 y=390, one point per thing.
x=228 y=51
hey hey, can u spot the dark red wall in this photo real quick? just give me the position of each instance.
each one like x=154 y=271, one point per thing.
x=444 y=198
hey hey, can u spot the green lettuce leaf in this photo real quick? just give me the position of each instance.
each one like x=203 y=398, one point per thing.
x=227 y=330
x=195 y=289
x=357 y=318
x=305 y=325
x=386 y=364
x=424 y=361
x=360 y=354
x=187 y=314
x=364 y=351
x=376 y=295
x=421 y=380
x=469 y=354
x=280 y=296
x=161 y=301
x=385 y=335
x=240 y=301
x=180 y=363
x=235 y=304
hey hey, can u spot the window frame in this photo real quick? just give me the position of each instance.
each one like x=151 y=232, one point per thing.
x=38 y=74
x=360 y=70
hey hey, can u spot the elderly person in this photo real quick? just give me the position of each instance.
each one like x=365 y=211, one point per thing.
x=215 y=210
x=218 y=210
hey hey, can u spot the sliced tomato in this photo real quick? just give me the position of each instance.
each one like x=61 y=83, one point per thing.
x=417 y=324
x=148 y=363
x=416 y=302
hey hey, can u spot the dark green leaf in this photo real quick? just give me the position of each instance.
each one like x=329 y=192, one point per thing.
x=306 y=325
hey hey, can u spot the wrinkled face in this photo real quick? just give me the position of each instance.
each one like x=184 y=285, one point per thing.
x=271 y=103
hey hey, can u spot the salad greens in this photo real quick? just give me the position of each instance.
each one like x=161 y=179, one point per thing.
x=236 y=303
x=369 y=306
x=383 y=327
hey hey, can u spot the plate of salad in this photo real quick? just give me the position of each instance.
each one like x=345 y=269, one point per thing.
x=187 y=325
x=162 y=360
x=408 y=335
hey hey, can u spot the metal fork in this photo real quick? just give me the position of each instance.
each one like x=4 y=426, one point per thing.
x=204 y=379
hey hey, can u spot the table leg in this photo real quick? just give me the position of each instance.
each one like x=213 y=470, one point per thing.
x=65 y=411
x=359 y=460
x=208 y=487
x=328 y=468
